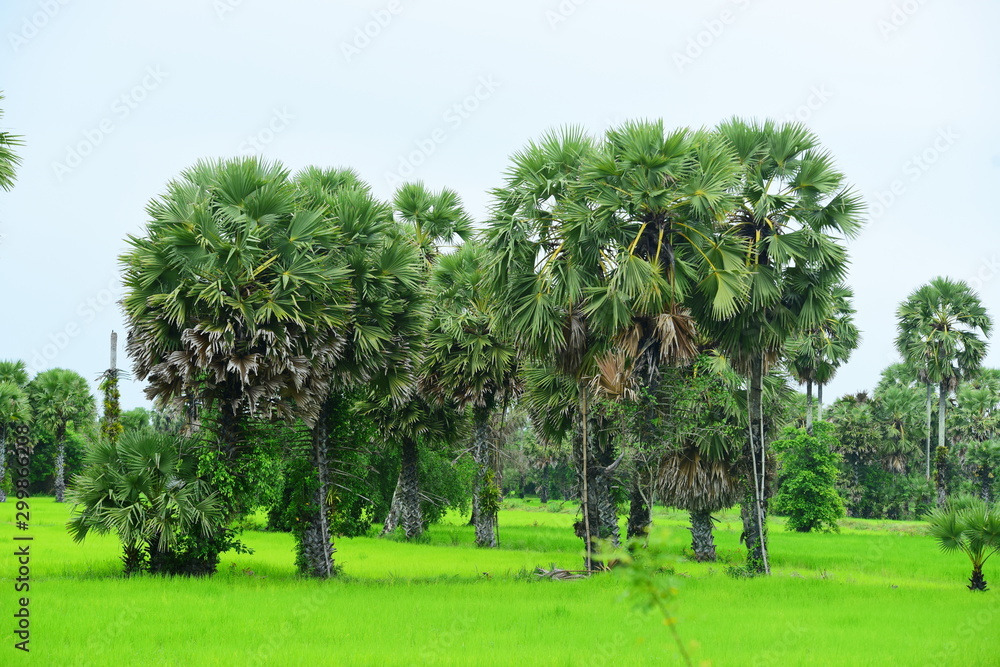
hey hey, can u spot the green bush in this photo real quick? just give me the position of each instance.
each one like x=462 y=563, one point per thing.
x=807 y=491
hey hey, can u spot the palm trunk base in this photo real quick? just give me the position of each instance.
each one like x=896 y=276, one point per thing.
x=702 y=540
x=977 y=582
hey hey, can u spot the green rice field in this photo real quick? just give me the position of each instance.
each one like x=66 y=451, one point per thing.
x=878 y=593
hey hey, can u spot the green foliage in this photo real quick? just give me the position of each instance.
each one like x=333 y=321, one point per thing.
x=111 y=418
x=807 y=491
x=971 y=526
x=146 y=489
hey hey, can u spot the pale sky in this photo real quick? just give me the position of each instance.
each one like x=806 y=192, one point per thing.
x=115 y=98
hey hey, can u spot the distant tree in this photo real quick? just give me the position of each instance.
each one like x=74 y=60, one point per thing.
x=14 y=410
x=814 y=355
x=971 y=526
x=60 y=398
x=942 y=330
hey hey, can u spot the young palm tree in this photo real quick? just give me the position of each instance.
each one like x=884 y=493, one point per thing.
x=792 y=211
x=146 y=489
x=942 y=331
x=973 y=528
x=58 y=398
x=14 y=409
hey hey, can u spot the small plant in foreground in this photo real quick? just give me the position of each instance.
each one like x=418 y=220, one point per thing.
x=646 y=565
x=971 y=526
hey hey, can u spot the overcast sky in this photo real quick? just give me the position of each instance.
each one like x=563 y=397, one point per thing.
x=114 y=98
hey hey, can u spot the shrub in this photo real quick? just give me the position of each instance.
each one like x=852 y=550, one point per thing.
x=807 y=491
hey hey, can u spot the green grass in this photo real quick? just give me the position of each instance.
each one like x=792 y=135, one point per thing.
x=877 y=593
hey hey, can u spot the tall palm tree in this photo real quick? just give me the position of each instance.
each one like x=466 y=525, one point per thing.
x=792 y=211
x=596 y=247
x=814 y=355
x=429 y=222
x=14 y=409
x=942 y=330
x=9 y=160
x=267 y=296
x=471 y=362
x=59 y=398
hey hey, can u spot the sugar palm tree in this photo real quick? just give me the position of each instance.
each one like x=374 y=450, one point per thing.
x=897 y=408
x=14 y=371
x=428 y=222
x=471 y=362
x=942 y=330
x=145 y=488
x=9 y=159
x=792 y=211
x=14 y=409
x=596 y=246
x=60 y=398
x=973 y=528
x=814 y=355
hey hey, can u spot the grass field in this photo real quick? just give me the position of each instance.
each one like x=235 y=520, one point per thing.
x=878 y=593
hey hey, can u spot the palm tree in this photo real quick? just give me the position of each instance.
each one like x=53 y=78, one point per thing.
x=897 y=407
x=417 y=412
x=792 y=211
x=595 y=247
x=14 y=409
x=269 y=297
x=9 y=160
x=814 y=355
x=145 y=488
x=972 y=527
x=471 y=363
x=60 y=398
x=14 y=371
x=942 y=327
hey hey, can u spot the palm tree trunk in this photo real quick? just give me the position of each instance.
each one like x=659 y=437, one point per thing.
x=639 y=516
x=484 y=510
x=543 y=490
x=61 y=471
x=702 y=542
x=819 y=400
x=942 y=405
x=132 y=558
x=410 y=516
x=977 y=582
x=589 y=529
x=316 y=549
x=754 y=509
x=809 y=406
x=392 y=520
x=930 y=398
